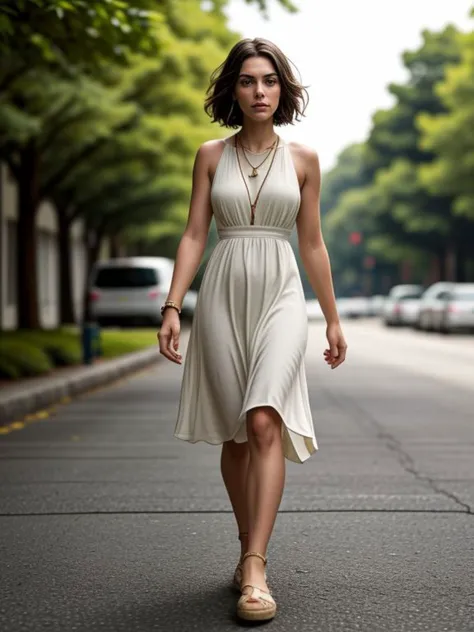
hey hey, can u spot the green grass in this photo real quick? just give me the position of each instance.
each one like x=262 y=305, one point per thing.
x=116 y=342
x=25 y=353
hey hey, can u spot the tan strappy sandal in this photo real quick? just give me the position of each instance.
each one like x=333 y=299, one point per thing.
x=267 y=609
x=237 y=580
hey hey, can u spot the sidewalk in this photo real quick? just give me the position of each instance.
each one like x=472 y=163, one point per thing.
x=27 y=396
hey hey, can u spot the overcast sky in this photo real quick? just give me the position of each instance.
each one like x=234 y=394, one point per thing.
x=347 y=51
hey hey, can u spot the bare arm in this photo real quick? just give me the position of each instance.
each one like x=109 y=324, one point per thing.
x=314 y=254
x=191 y=246
x=193 y=242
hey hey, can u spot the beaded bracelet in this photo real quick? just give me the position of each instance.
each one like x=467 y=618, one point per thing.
x=170 y=304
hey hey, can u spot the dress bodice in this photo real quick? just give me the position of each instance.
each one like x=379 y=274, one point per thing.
x=279 y=199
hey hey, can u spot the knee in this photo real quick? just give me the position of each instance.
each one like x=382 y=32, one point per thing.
x=236 y=451
x=263 y=427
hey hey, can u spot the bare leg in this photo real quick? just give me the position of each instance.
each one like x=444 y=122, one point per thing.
x=265 y=482
x=234 y=465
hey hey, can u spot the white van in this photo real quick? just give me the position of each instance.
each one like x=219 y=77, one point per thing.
x=129 y=290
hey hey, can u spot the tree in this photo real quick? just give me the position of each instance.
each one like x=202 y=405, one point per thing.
x=445 y=134
x=56 y=107
x=346 y=176
x=43 y=45
x=69 y=108
x=401 y=218
x=75 y=32
x=421 y=219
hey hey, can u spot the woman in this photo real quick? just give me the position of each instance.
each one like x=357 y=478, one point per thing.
x=244 y=383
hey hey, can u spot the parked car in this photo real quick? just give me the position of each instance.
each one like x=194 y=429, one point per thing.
x=432 y=305
x=353 y=307
x=376 y=305
x=129 y=290
x=313 y=310
x=402 y=305
x=458 y=311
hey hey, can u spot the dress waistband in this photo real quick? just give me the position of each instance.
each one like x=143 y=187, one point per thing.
x=254 y=231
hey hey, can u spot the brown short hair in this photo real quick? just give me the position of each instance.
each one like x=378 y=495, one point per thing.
x=218 y=104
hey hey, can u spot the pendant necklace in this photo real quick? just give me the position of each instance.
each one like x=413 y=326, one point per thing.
x=253 y=205
x=254 y=172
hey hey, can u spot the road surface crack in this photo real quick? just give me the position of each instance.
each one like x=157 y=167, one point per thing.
x=360 y=415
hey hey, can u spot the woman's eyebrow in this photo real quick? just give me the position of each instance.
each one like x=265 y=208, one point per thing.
x=270 y=74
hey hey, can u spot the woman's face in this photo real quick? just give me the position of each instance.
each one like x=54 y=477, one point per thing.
x=258 y=89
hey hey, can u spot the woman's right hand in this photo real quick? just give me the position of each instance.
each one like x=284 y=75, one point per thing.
x=168 y=336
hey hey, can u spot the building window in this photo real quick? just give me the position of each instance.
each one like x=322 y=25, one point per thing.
x=11 y=262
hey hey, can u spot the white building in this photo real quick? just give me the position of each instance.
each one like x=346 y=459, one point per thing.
x=47 y=259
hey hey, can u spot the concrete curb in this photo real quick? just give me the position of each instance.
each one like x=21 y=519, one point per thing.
x=19 y=403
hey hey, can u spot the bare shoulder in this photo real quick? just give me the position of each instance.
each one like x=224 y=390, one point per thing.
x=209 y=154
x=211 y=149
x=306 y=162
x=307 y=155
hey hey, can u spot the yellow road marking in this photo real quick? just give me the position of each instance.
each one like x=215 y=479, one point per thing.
x=46 y=413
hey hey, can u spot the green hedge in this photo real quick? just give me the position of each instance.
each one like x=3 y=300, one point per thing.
x=62 y=348
x=25 y=353
x=19 y=358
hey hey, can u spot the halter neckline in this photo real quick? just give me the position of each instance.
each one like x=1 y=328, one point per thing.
x=230 y=140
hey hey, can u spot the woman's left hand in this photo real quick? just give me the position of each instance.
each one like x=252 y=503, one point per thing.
x=336 y=354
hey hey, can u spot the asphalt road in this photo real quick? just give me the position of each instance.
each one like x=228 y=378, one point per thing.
x=110 y=524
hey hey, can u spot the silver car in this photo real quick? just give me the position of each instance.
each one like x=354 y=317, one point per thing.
x=402 y=305
x=129 y=290
x=432 y=306
x=458 y=311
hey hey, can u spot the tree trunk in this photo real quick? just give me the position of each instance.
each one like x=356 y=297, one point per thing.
x=442 y=271
x=115 y=247
x=93 y=242
x=450 y=261
x=461 y=276
x=66 y=300
x=28 y=202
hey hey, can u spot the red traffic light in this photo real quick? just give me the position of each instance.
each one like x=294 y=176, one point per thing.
x=355 y=238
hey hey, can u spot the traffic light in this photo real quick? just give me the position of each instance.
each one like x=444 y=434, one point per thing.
x=355 y=238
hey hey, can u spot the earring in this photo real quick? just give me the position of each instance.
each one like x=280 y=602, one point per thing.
x=229 y=116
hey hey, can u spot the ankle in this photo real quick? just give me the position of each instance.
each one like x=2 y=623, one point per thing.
x=254 y=562
x=244 y=546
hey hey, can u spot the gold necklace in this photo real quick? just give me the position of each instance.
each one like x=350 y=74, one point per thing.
x=253 y=205
x=254 y=172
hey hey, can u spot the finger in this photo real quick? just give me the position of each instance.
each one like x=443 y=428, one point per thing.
x=334 y=350
x=176 y=343
x=341 y=358
x=170 y=356
x=164 y=339
x=171 y=350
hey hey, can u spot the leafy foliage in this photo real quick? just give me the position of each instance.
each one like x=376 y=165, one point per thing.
x=445 y=134
x=77 y=31
x=406 y=197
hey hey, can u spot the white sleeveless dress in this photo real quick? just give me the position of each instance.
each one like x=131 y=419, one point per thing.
x=249 y=332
